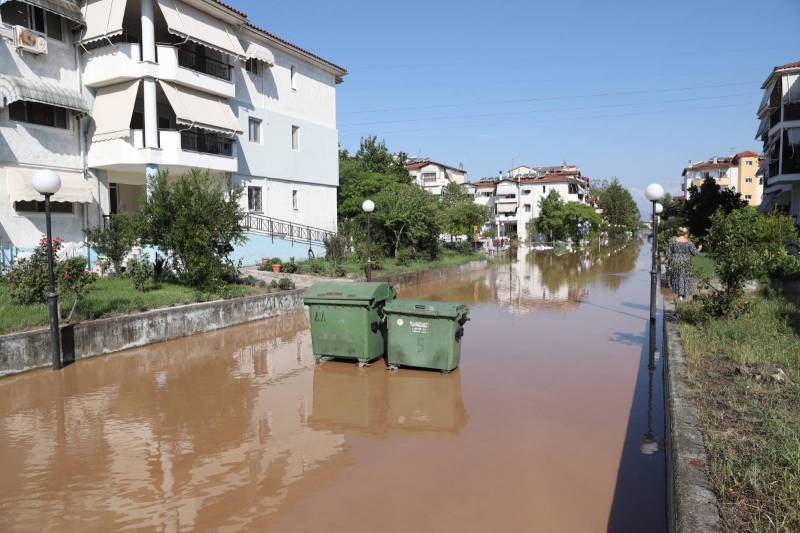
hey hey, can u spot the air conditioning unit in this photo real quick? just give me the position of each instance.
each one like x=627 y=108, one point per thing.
x=29 y=40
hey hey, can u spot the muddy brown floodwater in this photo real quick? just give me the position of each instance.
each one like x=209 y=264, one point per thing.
x=547 y=425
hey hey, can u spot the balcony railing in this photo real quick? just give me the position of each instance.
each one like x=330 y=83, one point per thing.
x=206 y=143
x=206 y=65
x=284 y=229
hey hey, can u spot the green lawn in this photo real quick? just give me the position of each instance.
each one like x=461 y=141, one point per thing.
x=108 y=297
x=751 y=427
x=324 y=267
x=703 y=265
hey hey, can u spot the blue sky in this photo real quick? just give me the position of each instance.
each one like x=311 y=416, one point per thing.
x=629 y=88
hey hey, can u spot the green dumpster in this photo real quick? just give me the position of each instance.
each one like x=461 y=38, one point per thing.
x=425 y=334
x=347 y=319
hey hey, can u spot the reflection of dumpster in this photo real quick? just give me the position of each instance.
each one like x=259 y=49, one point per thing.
x=425 y=334
x=347 y=319
x=349 y=398
x=426 y=402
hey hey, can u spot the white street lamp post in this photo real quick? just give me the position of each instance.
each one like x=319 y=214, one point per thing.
x=368 y=207
x=47 y=183
x=654 y=194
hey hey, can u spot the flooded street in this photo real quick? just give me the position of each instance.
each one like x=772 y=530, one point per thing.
x=543 y=428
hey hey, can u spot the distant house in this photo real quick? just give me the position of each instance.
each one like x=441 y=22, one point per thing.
x=433 y=176
x=740 y=173
x=779 y=130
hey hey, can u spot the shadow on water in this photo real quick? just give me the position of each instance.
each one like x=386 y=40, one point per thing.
x=643 y=461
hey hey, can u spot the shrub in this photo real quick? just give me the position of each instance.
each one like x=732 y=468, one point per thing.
x=73 y=278
x=29 y=279
x=195 y=220
x=290 y=267
x=465 y=248
x=285 y=284
x=745 y=245
x=140 y=270
x=273 y=284
x=404 y=257
x=340 y=271
x=335 y=247
x=115 y=240
x=275 y=261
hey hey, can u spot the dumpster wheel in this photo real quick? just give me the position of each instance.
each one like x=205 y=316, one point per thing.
x=393 y=368
x=363 y=364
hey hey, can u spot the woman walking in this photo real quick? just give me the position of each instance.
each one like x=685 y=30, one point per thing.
x=679 y=257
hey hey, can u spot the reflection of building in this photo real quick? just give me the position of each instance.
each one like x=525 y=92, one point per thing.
x=433 y=176
x=739 y=173
x=779 y=113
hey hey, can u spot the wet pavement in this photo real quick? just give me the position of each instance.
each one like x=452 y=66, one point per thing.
x=547 y=425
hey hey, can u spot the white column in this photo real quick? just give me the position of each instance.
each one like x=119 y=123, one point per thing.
x=150 y=114
x=148 y=32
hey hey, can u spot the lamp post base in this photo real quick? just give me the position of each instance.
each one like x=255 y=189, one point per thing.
x=55 y=336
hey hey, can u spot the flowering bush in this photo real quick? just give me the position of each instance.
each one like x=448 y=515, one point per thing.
x=28 y=280
x=73 y=278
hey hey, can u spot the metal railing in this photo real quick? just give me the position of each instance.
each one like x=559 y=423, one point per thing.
x=206 y=143
x=206 y=65
x=8 y=255
x=283 y=229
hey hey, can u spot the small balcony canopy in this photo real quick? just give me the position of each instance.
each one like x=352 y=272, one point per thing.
x=112 y=110
x=74 y=188
x=507 y=208
x=13 y=88
x=190 y=23
x=202 y=110
x=261 y=53
x=103 y=19
x=68 y=9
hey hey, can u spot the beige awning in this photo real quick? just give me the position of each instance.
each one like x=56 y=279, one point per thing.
x=199 y=109
x=195 y=25
x=13 y=88
x=74 y=188
x=103 y=19
x=259 y=52
x=763 y=128
x=506 y=208
x=112 y=110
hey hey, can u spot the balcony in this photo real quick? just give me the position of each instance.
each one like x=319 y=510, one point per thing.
x=179 y=151
x=122 y=61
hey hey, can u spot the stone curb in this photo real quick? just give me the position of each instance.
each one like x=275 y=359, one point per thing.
x=691 y=502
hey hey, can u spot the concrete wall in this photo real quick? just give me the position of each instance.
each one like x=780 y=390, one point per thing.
x=28 y=350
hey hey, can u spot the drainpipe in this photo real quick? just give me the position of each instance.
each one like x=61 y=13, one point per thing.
x=149 y=86
x=82 y=144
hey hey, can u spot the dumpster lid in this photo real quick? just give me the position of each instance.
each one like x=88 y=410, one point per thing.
x=426 y=308
x=358 y=291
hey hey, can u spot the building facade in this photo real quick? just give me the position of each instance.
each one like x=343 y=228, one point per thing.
x=433 y=176
x=779 y=130
x=741 y=173
x=120 y=90
x=514 y=200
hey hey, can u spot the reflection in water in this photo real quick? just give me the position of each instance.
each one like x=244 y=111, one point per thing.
x=239 y=429
x=649 y=443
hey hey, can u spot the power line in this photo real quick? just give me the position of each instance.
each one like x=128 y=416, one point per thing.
x=583 y=108
x=541 y=98
x=487 y=125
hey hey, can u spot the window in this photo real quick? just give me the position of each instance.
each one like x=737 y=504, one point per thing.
x=293 y=77
x=748 y=197
x=164 y=123
x=748 y=180
x=748 y=163
x=254 y=199
x=527 y=208
x=573 y=188
x=251 y=66
x=294 y=200
x=38 y=207
x=428 y=177
x=33 y=17
x=526 y=191
x=544 y=188
x=36 y=113
x=254 y=128
x=295 y=137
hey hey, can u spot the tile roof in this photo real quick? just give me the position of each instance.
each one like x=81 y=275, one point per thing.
x=416 y=165
x=794 y=65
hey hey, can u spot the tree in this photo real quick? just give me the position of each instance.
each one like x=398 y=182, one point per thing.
x=704 y=201
x=196 y=221
x=561 y=220
x=551 y=217
x=619 y=208
x=672 y=207
x=460 y=213
x=409 y=215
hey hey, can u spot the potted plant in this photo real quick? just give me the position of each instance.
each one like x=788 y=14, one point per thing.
x=276 y=264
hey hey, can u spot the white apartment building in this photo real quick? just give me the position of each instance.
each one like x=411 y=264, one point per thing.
x=514 y=201
x=109 y=92
x=433 y=176
x=779 y=130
